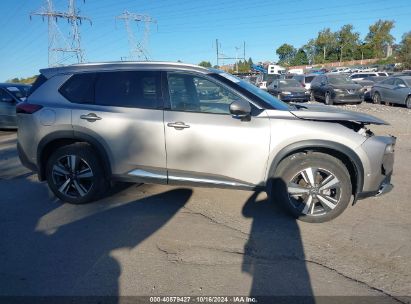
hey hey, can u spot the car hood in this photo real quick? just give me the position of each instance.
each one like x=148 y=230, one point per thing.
x=352 y=86
x=292 y=89
x=327 y=113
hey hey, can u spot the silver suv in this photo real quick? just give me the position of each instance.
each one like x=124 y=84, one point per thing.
x=167 y=123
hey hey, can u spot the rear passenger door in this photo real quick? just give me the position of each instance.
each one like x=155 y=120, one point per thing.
x=400 y=91
x=123 y=110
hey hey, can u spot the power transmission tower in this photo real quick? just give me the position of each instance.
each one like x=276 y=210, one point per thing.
x=60 y=45
x=138 y=49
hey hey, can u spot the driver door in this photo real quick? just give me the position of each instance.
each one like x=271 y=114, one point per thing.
x=205 y=144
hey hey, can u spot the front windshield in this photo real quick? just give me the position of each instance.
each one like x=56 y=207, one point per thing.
x=340 y=80
x=289 y=83
x=276 y=103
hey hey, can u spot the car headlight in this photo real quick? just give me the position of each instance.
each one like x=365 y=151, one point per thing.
x=286 y=93
x=338 y=90
x=307 y=92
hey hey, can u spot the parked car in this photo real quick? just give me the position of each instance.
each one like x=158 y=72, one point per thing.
x=335 y=88
x=395 y=90
x=305 y=80
x=10 y=95
x=367 y=84
x=83 y=125
x=288 y=90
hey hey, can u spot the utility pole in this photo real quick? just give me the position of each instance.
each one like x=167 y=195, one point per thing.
x=58 y=44
x=138 y=49
x=220 y=55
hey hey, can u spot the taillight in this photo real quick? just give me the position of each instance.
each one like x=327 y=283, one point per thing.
x=27 y=108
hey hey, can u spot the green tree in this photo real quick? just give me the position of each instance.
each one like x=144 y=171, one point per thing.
x=404 y=52
x=347 y=41
x=206 y=64
x=310 y=51
x=326 y=42
x=300 y=58
x=286 y=53
x=379 y=35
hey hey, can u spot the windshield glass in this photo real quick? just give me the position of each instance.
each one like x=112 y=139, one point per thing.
x=276 y=103
x=289 y=83
x=340 y=80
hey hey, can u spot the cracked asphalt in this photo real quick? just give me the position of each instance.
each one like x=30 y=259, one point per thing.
x=160 y=240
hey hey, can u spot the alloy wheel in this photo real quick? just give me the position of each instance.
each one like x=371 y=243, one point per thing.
x=314 y=191
x=72 y=176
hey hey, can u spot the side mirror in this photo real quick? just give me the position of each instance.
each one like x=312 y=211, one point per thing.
x=241 y=109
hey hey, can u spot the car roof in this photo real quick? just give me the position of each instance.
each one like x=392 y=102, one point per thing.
x=121 y=65
x=11 y=84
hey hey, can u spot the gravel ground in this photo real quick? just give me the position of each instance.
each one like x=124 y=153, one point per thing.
x=159 y=240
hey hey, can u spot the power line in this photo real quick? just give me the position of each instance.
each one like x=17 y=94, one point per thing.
x=59 y=45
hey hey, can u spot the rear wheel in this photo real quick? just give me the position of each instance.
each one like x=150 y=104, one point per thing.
x=408 y=102
x=313 y=187
x=376 y=98
x=75 y=174
x=328 y=99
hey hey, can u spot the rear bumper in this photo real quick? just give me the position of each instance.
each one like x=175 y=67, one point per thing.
x=25 y=160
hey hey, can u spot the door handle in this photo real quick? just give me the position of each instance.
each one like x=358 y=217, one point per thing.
x=90 y=117
x=178 y=125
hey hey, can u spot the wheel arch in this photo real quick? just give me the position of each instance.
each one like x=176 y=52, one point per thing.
x=350 y=159
x=62 y=138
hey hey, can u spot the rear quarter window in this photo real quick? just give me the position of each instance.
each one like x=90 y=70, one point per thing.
x=79 y=88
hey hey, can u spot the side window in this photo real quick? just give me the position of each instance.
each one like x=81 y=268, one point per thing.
x=79 y=88
x=389 y=81
x=196 y=94
x=129 y=89
x=398 y=82
x=4 y=96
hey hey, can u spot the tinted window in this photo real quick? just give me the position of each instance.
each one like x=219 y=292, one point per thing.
x=290 y=83
x=129 y=89
x=308 y=79
x=4 y=96
x=79 y=88
x=340 y=80
x=389 y=81
x=197 y=94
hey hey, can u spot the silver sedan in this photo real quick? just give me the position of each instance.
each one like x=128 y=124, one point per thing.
x=393 y=90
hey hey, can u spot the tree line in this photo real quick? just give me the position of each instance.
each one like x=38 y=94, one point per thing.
x=346 y=44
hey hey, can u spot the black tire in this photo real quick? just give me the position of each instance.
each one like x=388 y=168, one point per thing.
x=287 y=174
x=70 y=187
x=327 y=99
x=376 y=98
x=408 y=102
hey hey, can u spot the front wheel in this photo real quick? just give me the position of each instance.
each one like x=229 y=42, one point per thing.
x=75 y=175
x=376 y=98
x=408 y=102
x=313 y=187
x=328 y=99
